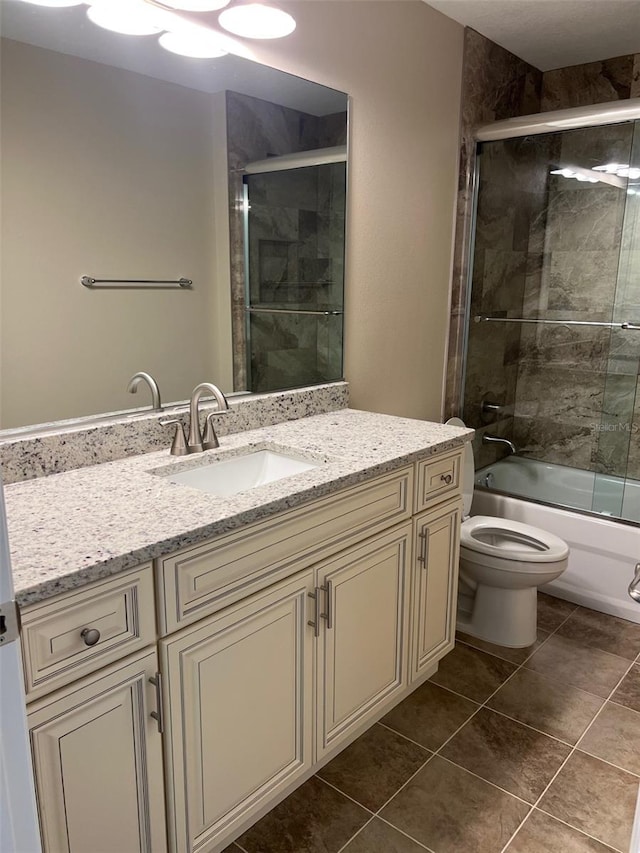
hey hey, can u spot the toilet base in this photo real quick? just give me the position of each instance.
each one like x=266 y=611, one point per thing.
x=505 y=617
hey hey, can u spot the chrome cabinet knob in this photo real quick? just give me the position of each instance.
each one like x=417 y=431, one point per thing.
x=446 y=478
x=90 y=636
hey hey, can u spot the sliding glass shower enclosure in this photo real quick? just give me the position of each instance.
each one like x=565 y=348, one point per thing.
x=294 y=270
x=553 y=346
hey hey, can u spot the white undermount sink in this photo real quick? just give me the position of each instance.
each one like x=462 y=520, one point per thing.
x=242 y=472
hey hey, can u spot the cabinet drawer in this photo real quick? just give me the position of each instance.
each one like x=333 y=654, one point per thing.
x=204 y=579
x=55 y=651
x=437 y=479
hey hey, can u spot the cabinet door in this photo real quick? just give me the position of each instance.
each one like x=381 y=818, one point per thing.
x=361 y=662
x=98 y=763
x=238 y=701
x=435 y=585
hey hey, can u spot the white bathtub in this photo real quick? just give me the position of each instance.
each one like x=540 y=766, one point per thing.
x=604 y=552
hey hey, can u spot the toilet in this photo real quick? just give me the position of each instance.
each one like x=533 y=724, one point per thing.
x=502 y=564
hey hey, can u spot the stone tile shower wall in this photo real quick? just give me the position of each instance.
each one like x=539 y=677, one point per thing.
x=257 y=129
x=296 y=261
x=508 y=239
x=570 y=378
x=531 y=370
x=495 y=85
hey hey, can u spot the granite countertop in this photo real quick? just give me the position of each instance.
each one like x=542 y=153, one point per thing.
x=69 y=529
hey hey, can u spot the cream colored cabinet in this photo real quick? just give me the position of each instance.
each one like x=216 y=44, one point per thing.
x=435 y=585
x=239 y=686
x=362 y=608
x=97 y=757
x=279 y=644
x=239 y=691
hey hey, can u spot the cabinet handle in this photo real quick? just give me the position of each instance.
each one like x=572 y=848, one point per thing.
x=156 y=680
x=328 y=589
x=316 y=609
x=424 y=546
x=446 y=478
x=90 y=636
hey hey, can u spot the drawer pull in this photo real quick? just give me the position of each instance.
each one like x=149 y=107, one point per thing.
x=157 y=715
x=447 y=478
x=90 y=636
x=424 y=546
x=316 y=612
x=328 y=589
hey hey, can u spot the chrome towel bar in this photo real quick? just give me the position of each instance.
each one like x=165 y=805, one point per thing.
x=634 y=327
x=133 y=283
x=293 y=311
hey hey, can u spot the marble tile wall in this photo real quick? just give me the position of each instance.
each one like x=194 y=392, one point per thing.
x=578 y=280
x=496 y=84
x=568 y=393
x=287 y=237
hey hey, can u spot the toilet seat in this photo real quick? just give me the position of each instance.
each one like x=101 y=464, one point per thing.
x=511 y=540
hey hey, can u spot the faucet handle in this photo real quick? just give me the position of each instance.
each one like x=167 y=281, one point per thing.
x=210 y=440
x=179 y=443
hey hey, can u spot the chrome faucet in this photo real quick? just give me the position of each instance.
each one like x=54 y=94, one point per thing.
x=497 y=439
x=196 y=443
x=136 y=379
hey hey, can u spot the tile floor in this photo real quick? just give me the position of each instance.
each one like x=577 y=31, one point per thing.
x=524 y=751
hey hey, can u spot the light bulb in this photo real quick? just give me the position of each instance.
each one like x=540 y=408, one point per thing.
x=197 y=44
x=58 y=3
x=256 y=21
x=130 y=17
x=196 y=5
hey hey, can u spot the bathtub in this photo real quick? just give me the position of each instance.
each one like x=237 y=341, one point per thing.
x=604 y=551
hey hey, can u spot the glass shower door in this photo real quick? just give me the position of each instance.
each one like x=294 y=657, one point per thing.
x=294 y=264
x=617 y=479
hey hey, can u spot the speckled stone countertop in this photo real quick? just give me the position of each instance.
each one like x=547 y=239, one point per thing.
x=69 y=529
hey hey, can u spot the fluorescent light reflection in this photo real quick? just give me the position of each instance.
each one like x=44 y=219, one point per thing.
x=129 y=17
x=256 y=21
x=198 y=44
x=59 y=4
x=196 y=5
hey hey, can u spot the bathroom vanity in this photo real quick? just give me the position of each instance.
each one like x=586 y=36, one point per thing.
x=190 y=659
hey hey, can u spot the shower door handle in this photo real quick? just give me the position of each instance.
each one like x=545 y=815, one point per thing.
x=634 y=586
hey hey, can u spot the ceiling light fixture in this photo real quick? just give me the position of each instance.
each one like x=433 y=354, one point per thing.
x=129 y=17
x=57 y=3
x=196 y=5
x=257 y=21
x=197 y=44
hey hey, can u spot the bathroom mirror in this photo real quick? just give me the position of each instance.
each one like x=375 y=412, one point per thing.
x=121 y=160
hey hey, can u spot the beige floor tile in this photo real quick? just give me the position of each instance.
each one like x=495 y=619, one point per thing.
x=548 y=705
x=450 y=810
x=506 y=753
x=430 y=715
x=543 y=834
x=594 y=797
x=615 y=737
x=586 y=668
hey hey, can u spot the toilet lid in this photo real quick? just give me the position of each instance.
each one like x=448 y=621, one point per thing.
x=502 y=537
x=468 y=470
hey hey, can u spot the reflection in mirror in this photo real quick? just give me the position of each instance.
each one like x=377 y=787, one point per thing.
x=123 y=161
